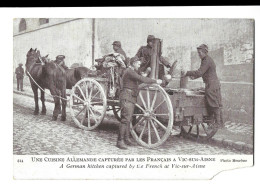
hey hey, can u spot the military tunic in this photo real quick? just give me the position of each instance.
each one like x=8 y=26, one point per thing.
x=145 y=54
x=128 y=96
x=19 y=76
x=208 y=73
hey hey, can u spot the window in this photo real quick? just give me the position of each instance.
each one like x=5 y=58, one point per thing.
x=22 y=25
x=43 y=21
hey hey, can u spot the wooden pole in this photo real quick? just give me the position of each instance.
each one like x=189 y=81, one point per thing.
x=93 y=41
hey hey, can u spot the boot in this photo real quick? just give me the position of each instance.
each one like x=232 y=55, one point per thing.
x=128 y=141
x=217 y=113
x=120 y=141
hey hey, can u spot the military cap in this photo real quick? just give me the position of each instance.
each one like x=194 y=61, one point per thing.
x=134 y=59
x=204 y=47
x=117 y=43
x=60 y=57
x=150 y=38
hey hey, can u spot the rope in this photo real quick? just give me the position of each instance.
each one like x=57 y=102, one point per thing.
x=44 y=90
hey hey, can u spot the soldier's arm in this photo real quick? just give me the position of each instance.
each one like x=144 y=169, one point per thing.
x=139 y=53
x=164 y=62
x=198 y=73
x=136 y=77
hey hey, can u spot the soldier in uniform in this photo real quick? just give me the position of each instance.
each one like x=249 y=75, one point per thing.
x=208 y=73
x=128 y=98
x=118 y=49
x=60 y=61
x=145 y=54
x=19 y=71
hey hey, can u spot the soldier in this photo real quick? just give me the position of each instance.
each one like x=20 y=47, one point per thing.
x=19 y=71
x=118 y=49
x=145 y=54
x=128 y=98
x=208 y=73
x=60 y=61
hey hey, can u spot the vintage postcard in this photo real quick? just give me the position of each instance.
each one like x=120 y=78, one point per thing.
x=132 y=98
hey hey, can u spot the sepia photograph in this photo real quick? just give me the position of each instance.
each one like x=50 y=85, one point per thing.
x=133 y=86
x=127 y=94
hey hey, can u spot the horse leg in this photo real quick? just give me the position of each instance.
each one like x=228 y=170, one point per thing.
x=64 y=103
x=35 y=93
x=43 y=103
x=57 y=108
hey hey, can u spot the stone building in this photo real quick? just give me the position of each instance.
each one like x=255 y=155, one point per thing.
x=230 y=41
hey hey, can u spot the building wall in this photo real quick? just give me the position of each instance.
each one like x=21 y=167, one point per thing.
x=72 y=38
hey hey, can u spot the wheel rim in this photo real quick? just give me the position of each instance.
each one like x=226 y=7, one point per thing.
x=202 y=131
x=153 y=117
x=88 y=104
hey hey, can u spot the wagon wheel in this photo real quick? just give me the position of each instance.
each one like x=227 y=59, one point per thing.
x=202 y=131
x=153 y=116
x=117 y=112
x=88 y=104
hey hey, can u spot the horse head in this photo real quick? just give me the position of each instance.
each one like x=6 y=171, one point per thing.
x=44 y=60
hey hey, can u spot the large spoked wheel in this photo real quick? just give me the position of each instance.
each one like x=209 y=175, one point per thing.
x=153 y=116
x=88 y=104
x=203 y=131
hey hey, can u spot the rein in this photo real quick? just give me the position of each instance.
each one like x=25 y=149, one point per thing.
x=44 y=90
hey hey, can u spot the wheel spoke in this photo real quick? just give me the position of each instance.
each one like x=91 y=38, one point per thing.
x=90 y=94
x=81 y=92
x=96 y=94
x=142 y=99
x=84 y=116
x=80 y=111
x=140 y=107
x=142 y=132
x=148 y=98
x=86 y=88
x=88 y=119
x=161 y=114
x=158 y=105
x=149 y=133
x=154 y=99
x=155 y=130
x=139 y=122
x=78 y=98
x=95 y=103
x=159 y=123
x=93 y=115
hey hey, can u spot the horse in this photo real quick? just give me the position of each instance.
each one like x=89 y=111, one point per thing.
x=48 y=76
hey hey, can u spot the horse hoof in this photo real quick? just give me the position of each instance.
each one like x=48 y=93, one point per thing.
x=54 y=118
x=35 y=112
x=63 y=118
x=43 y=113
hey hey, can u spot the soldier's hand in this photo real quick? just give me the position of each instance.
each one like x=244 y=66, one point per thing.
x=159 y=81
x=183 y=73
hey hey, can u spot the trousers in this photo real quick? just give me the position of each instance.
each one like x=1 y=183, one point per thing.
x=19 y=84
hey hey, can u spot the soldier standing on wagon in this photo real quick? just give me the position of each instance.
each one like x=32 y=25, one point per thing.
x=145 y=54
x=118 y=49
x=19 y=71
x=128 y=98
x=208 y=73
